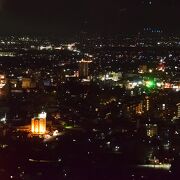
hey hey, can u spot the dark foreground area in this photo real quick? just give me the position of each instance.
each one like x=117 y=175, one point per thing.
x=71 y=157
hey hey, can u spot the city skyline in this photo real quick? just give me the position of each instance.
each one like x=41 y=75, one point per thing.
x=89 y=89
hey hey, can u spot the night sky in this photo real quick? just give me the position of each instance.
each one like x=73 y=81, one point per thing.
x=72 y=16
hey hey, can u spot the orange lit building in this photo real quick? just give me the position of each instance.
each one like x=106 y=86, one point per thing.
x=2 y=81
x=139 y=108
x=38 y=124
x=26 y=83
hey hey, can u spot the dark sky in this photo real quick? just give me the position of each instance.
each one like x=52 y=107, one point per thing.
x=72 y=16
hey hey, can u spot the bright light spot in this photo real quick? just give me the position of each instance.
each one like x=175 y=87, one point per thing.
x=56 y=133
x=150 y=84
x=150 y=70
x=42 y=115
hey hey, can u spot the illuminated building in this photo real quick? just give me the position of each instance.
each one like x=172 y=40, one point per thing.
x=7 y=54
x=161 y=67
x=147 y=106
x=131 y=85
x=139 y=108
x=142 y=69
x=71 y=47
x=38 y=124
x=163 y=107
x=26 y=83
x=3 y=120
x=135 y=108
x=167 y=85
x=84 y=68
x=178 y=111
x=112 y=76
x=151 y=130
x=176 y=87
x=2 y=81
x=13 y=83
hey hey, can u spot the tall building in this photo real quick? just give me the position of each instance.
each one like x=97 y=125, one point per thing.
x=142 y=69
x=26 y=83
x=84 y=69
x=151 y=130
x=139 y=108
x=38 y=124
x=178 y=110
x=2 y=80
x=133 y=108
x=146 y=104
